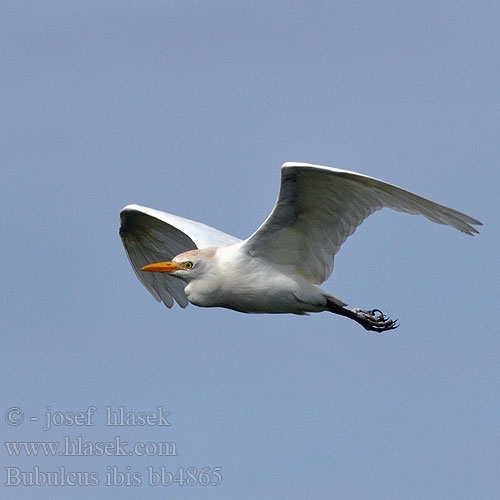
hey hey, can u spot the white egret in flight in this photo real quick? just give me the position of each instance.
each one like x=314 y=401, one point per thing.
x=276 y=269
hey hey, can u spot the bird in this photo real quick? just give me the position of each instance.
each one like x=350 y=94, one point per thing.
x=278 y=268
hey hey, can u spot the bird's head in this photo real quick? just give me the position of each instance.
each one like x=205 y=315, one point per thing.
x=186 y=266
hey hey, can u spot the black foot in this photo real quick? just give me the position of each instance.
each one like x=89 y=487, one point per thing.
x=374 y=320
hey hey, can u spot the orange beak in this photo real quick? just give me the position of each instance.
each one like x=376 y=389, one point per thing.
x=162 y=267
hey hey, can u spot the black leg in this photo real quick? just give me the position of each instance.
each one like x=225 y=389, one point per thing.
x=373 y=320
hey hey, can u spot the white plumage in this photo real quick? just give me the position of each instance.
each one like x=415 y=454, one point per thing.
x=277 y=268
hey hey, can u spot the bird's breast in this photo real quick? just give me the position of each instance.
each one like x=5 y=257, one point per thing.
x=255 y=291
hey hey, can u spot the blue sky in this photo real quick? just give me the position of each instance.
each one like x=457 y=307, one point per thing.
x=191 y=108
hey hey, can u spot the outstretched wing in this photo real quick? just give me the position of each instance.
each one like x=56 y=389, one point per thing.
x=318 y=208
x=150 y=236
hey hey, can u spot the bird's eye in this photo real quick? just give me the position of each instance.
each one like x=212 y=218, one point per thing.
x=188 y=265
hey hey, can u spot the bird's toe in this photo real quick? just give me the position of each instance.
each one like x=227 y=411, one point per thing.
x=375 y=320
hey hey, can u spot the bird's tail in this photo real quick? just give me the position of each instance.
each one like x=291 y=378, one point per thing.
x=334 y=303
